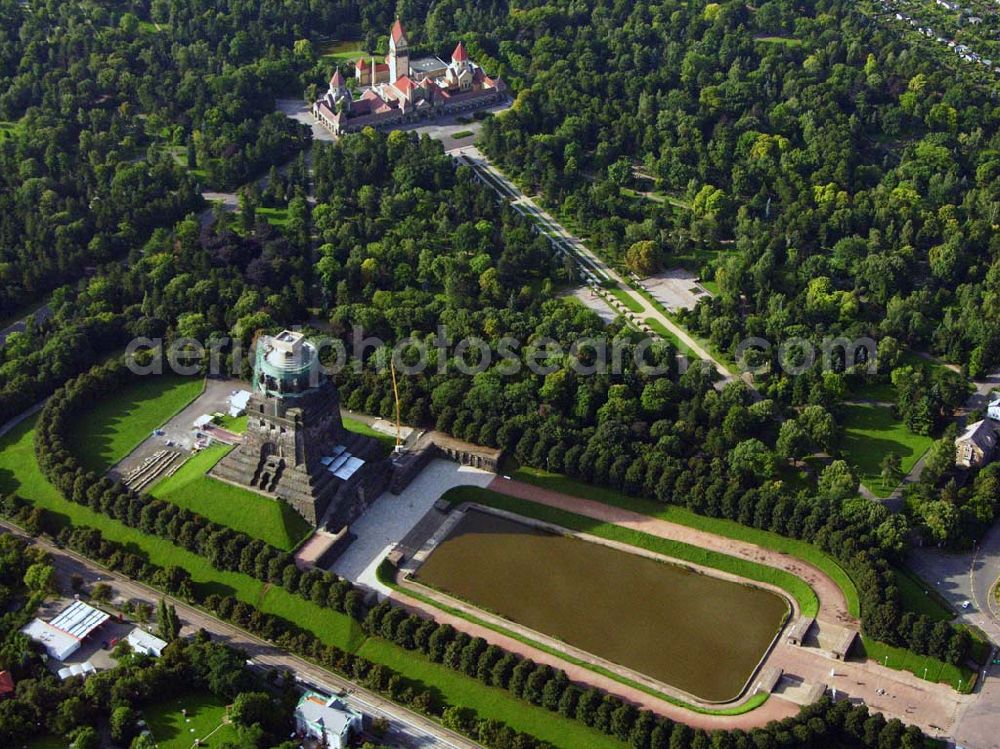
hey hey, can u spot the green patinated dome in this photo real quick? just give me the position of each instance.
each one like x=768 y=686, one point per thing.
x=286 y=365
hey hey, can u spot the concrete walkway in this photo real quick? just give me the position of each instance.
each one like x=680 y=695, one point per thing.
x=391 y=517
x=40 y=315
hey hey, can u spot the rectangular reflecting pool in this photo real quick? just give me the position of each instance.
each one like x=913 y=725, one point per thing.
x=695 y=632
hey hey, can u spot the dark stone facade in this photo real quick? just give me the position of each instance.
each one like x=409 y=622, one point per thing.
x=282 y=451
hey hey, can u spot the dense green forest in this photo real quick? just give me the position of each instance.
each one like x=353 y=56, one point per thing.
x=827 y=175
x=851 y=182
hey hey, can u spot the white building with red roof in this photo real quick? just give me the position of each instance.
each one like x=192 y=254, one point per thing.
x=403 y=90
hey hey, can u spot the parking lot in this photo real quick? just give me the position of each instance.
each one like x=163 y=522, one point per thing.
x=178 y=433
x=675 y=289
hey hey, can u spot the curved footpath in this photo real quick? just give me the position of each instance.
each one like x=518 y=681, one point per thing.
x=897 y=694
x=832 y=603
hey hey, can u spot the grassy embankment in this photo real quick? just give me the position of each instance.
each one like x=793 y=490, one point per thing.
x=242 y=510
x=959 y=677
x=112 y=428
x=872 y=432
x=19 y=473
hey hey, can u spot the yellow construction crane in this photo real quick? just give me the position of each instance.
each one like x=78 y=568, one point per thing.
x=395 y=394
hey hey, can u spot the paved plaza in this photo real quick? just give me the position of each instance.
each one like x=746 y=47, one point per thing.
x=388 y=521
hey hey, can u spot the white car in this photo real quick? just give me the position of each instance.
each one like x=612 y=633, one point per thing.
x=966 y=604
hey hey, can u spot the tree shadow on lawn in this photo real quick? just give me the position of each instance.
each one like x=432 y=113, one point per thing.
x=92 y=446
x=169 y=724
x=8 y=484
x=867 y=452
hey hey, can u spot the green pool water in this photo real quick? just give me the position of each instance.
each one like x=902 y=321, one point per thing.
x=698 y=633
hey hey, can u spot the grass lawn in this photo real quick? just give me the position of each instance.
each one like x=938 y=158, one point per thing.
x=876 y=391
x=870 y=433
x=462 y=134
x=113 y=427
x=886 y=391
x=794 y=586
x=959 y=677
x=664 y=332
x=274 y=216
x=683 y=516
x=920 y=597
x=345 y=50
x=489 y=702
x=19 y=473
x=205 y=716
x=625 y=298
x=359 y=427
x=179 y=154
x=267 y=519
x=782 y=40
x=237 y=424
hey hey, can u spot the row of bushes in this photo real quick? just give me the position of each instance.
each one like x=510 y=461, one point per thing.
x=860 y=543
x=819 y=725
x=225 y=548
x=537 y=684
x=283 y=633
x=229 y=550
x=551 y=689
x=676 y=442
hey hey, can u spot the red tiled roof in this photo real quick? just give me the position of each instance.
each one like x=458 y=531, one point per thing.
x=327 y=112
x=460 y=55
x=361 y=63
x=397 y=31
x=6 y=683
x=337 y=79
x=381 y=67
x=405 y=84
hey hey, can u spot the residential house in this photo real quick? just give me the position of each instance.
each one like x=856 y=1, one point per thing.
x=975 y=446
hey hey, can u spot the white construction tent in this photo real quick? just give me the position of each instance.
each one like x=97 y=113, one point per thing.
x=77 y=669
x=238 y=402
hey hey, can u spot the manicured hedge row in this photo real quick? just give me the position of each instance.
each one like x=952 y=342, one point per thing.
x=229 y=550
x=820 y=725
x=225 y=548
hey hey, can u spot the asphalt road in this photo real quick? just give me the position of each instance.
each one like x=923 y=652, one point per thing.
x=41 y=314
x=590 y=261
x=407 y=728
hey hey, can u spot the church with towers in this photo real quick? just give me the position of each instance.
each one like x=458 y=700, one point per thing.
x=402 y=89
